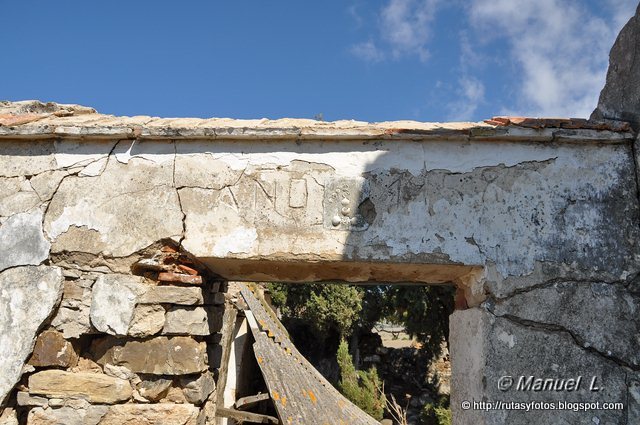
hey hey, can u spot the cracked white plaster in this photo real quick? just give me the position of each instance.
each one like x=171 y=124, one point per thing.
x=353 y=158
x=95 y=168
x=81 y=152
x=79 y=215
x=158 y=152
x=238 y=241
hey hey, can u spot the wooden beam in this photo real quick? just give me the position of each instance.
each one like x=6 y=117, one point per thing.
x=240 y=416
x=244 y=402
x=228 y=328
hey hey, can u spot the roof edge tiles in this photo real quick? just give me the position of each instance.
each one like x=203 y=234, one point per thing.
x=38 y=120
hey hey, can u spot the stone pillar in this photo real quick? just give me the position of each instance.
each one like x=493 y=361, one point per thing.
x=523 y=360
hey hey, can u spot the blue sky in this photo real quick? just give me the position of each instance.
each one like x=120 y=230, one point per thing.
x=427 y=60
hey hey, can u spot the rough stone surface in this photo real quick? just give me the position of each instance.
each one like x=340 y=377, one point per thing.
x=22 y=241
x=17 y=196
x=172 y=295
x=23 y=398
x=620 y=97
x=575 y=307
x=634 y=399
x=8 y=417
x=86 y=365
x=197 y=389
x=158 y=356
x=154 y=389
x=52 y=349
x=485 y=348
x=73 y=316
x=191 y=321
x=119 y=372
x=114 y=299
x=175 y=395
x=147 y=320
x=90 y=415
x=22 y=314
x=93 y=387
x=151 y=414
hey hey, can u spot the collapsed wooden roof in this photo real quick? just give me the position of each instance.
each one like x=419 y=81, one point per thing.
x=300 y=394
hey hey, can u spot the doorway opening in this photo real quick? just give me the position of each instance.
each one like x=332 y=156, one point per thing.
x=393 y=338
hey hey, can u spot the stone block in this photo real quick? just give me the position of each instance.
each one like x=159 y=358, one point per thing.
x=22 y=240
x=151 y=414
x=175 y=395
x=154 y=389
x=66 y=415
x=73 y=315
x=158 y=356
x=23 y=398
x=193 y=321
x=172 y=295
x=115 y=308
x=28 y=296
x=114 y=299
x=8 y=417
x=94 y=387
x=52 y=349
x=147 y=320
x=197 y=389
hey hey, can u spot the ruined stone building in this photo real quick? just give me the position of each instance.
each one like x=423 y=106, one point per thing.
x=119 y=235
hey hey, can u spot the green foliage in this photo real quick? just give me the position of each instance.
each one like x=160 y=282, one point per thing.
x=422 y=310
x=323 y=306
x=361 y=387
x=436 y=413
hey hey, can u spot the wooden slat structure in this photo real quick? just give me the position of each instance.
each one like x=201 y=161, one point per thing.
x=301 y=395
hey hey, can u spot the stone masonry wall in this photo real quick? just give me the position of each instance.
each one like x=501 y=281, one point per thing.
x=535 y=221
x=118 y=347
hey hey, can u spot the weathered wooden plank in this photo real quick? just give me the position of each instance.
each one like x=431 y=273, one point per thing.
x=266 y=319
x=248 y=401
x=300 y=393
x=228 y=327
x=241 y=416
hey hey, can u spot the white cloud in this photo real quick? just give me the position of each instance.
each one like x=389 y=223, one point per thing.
x=561 y=49
x=406 y=26
x=355 y=14
x=367 y=51
x=404 y=29
x=471 y=95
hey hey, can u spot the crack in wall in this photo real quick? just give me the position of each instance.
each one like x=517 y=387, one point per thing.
x=560 y=280
x=554 y=328
x=184 y=215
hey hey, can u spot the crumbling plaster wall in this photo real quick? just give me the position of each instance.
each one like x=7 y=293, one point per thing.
x=542 y=236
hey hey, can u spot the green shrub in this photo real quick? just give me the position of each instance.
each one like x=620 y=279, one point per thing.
x=361 y=387
x=436 y=413
x=324 y=306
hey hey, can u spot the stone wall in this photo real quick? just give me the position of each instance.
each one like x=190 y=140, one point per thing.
x=111 y=348
x=535 y=222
